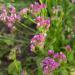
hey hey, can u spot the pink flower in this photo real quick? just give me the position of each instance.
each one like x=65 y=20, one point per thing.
x=42 y=24
x=73 y=1
x=56 y=55
x=12 y=9
x=32 y=47
x=37 y=40
x=3 y=14
x=31 y=5
x=9 y=25
x=42 y=6
x=16 y=17
x=49 y=65
x=4 y=9
x=23 y=11
x=10 y=19
x=61 y=57
x=36 y=8
x=68 y=48
x=51 y=52
x=39 y=19
x=45 y=24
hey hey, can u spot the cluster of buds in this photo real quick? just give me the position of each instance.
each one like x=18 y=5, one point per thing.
x=36 y=8
x=37 y=41
x=42 y=24
x=49 y=64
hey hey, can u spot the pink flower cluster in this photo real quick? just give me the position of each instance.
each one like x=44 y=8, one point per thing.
x=51 y=63
x=23 y=11
x=36 y=8
x=42 y=24
x=3 y=14
x=37 y=41
x=10 y=16
x=68 y=48
x=60 y=56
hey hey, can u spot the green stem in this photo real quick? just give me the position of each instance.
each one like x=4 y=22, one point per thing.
x=12 y=39
x=27 y=27
x=29 y=19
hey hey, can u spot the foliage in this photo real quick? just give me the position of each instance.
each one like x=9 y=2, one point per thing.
x=29 y=35
x=15 y=68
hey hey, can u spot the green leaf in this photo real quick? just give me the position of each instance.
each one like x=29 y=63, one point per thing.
x=70 y=56
x=15 y=68
x=8 y=42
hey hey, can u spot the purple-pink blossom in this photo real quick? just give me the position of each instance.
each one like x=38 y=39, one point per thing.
x=23 y=11
x=45 y=24
x=50 y=52
x=32 y=47
x=39 y=19
x=60 y=57
x=49 y=65
x=3 y=14
x=9 y=17
x=10 y=20
x=36 y=8
x=37 y=40
x=56 y=55
x=12 y=9
x=68 y=48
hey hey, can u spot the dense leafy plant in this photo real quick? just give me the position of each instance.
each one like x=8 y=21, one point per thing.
x=37 y=39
